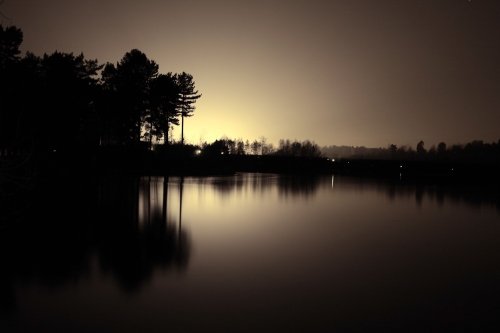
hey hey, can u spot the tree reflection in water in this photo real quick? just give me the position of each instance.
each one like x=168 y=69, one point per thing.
x=288 y=186
x=469 y=193
x=68 y=223
x=150 y=238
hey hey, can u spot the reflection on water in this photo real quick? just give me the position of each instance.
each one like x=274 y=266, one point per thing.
x=116 y=224
x=286 y=185
x=474 y=195
x=250 y=252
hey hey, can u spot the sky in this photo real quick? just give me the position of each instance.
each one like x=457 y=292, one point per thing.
x=337 y=72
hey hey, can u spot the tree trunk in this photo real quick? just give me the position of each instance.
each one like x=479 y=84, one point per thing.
x=182 y=130
x=166 y=134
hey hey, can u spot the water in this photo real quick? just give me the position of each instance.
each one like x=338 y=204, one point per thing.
x=251 y=252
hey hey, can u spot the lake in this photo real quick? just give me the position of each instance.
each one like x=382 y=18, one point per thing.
x=249 y=253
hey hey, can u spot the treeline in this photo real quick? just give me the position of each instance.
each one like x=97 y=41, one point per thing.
x=294 y=148
x=62 y=102
x=474 y=151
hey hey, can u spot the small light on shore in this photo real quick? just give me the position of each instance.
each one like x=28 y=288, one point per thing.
x=197 y=152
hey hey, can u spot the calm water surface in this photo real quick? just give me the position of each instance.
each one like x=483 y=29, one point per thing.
x=251 y=252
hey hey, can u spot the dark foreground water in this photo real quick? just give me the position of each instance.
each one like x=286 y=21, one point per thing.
x=250 y=253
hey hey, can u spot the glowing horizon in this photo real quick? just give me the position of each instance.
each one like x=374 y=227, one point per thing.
x=333 y=72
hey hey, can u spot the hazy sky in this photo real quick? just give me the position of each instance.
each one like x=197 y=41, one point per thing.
x=356 y=72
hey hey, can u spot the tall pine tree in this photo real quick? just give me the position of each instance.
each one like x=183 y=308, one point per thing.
x=187 y=98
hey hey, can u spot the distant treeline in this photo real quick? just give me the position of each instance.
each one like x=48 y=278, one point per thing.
x=475 y=151
x=63 y=102
x=294 y=148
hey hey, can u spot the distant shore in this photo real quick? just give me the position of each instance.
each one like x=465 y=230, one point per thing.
x=109 y=162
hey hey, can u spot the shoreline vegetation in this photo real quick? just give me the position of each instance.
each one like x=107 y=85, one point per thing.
x=62 y=113
x=124 y=161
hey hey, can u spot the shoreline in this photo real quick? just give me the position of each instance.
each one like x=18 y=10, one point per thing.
x=109 y=162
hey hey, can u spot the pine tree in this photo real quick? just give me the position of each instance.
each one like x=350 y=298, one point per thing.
x=187 y=97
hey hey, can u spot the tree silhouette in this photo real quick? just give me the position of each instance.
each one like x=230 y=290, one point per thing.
x=128 y=85
x=187 y=98
x=420 y=148
x=10 y=84
x=165 y=94
x=256 y=147
x=441 y=148
x=47 y=102
x=10 y=41
x=68 y=92
x=298 y=149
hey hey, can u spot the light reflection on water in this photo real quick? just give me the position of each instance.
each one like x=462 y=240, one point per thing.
x=252 y=252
